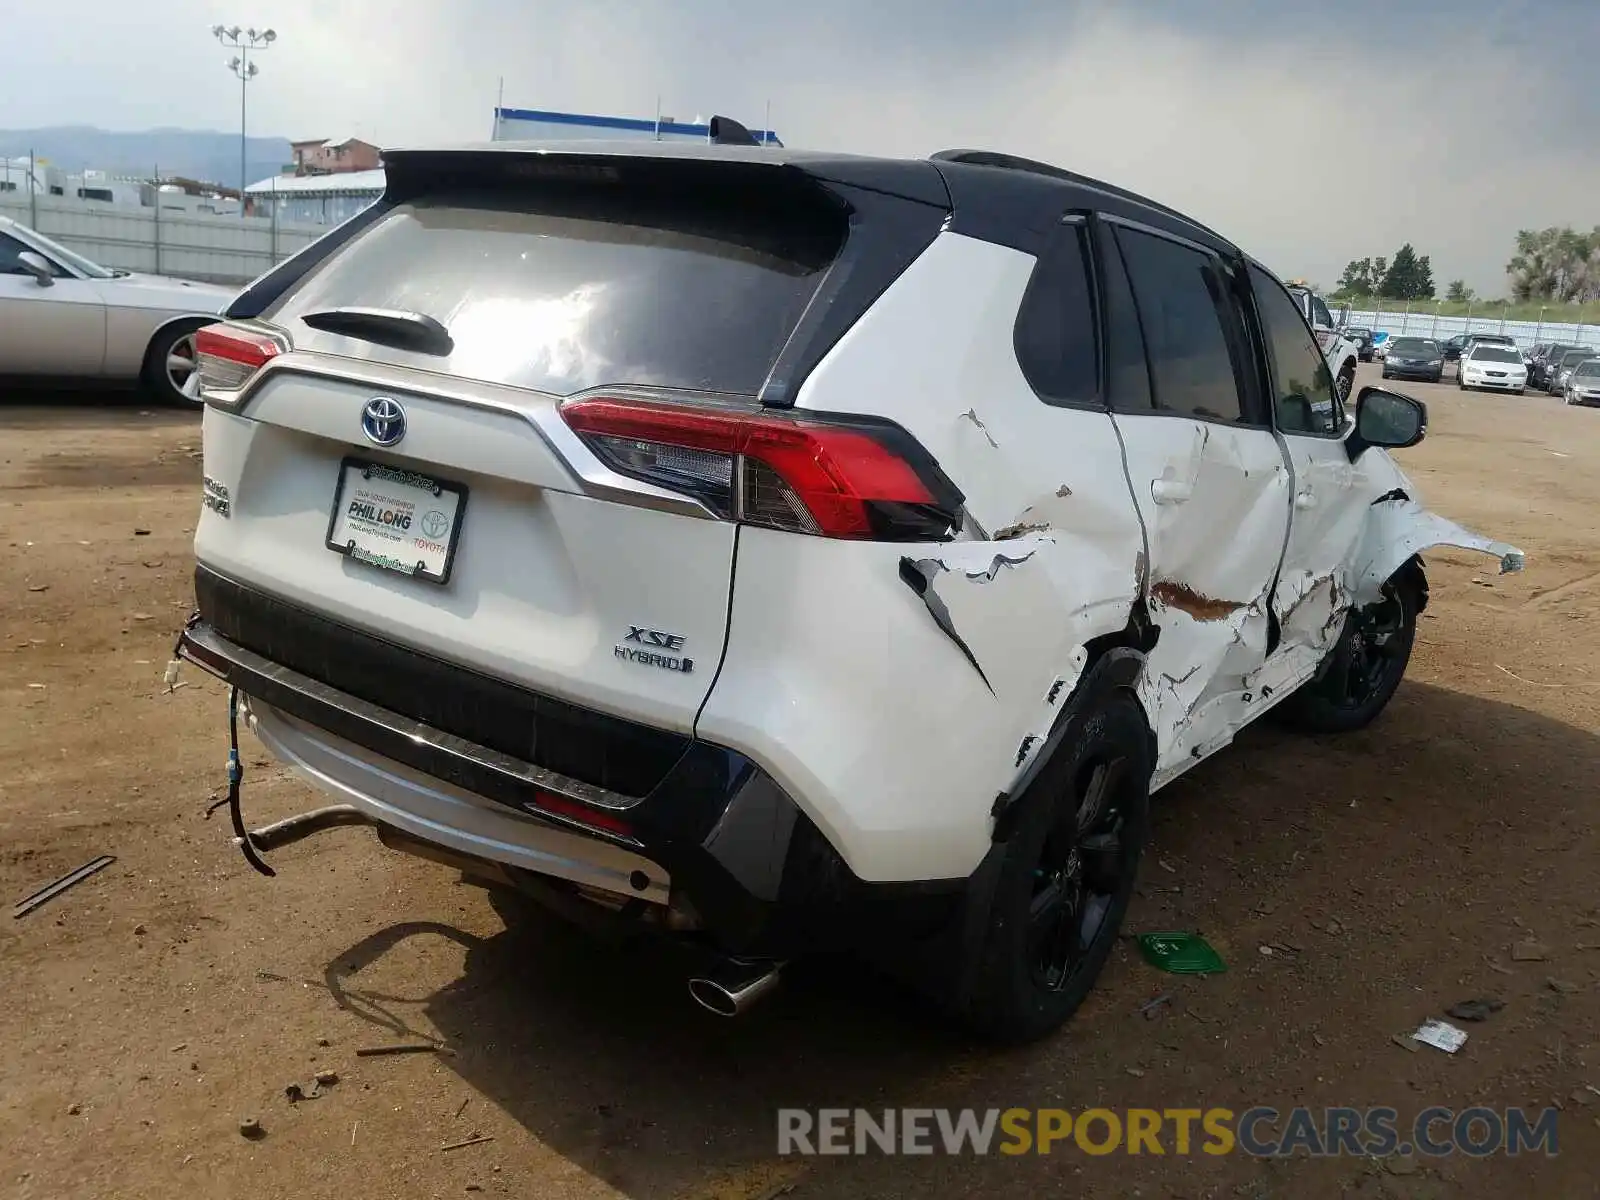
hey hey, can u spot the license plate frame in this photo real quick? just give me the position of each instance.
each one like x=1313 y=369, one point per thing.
x=400 y=480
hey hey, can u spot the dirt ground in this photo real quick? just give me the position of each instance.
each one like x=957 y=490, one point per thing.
x=152 y=1007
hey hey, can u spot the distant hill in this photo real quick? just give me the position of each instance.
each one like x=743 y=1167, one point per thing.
x=195 y=154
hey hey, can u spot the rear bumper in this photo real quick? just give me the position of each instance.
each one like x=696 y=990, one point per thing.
x=716 y=836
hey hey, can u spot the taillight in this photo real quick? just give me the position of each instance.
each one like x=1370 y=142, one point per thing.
x=228 y=357
x=844 y=477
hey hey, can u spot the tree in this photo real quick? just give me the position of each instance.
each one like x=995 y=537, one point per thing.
x=1558 y=263
x=1409 y=277
x=1459 y=293
x=1358 y=279
x=1424 y=289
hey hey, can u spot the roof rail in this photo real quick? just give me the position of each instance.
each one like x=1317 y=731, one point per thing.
x=1014 y=162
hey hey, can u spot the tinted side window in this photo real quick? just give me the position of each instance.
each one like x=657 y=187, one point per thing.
x=1181 y=298
x=1303 y=396
x=1055 y=337
x=1128 y=374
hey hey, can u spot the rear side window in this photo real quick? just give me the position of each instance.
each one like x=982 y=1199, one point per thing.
x=1182 y=299
x=567 y=288
x=1055 y=334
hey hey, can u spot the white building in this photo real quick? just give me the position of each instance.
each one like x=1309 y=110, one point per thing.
x=331 y=199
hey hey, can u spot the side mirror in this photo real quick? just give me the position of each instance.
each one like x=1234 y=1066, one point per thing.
x=1387 y=419
x=39 y=267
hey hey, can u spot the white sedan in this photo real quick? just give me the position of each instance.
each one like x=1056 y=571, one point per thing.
x=66 y=319
x=1494 y=368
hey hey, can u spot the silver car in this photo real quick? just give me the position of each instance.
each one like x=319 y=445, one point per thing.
x=1583 y=383
x=66 y=319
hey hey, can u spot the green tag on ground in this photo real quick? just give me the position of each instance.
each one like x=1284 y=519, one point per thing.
x=1180 y=953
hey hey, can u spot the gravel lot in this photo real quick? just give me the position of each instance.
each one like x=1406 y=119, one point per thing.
x=151 y=1008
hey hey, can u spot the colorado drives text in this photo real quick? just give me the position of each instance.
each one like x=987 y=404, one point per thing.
x=1260 y=1132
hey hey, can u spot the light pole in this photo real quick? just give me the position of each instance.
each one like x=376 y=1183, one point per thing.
x=244 y=41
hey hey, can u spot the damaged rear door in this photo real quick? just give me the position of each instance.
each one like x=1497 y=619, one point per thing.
x=1211 y=483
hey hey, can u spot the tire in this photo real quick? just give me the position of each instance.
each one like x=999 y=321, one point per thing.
x=1346 y=383
x=1386 y=375
x=1361 y=673
x=164 y=379
x=1522 y=391
x=1079 y=828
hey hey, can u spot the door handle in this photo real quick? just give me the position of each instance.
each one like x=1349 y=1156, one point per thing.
x=1305 y=499
x=1170 y=491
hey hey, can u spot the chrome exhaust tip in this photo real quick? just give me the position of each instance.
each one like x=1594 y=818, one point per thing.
x=734 y=986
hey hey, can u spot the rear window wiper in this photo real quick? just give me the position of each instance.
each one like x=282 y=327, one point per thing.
x=385 y=326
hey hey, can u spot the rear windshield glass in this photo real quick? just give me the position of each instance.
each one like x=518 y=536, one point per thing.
x=1499 y=354
x=568 y=290
x=1418 y=347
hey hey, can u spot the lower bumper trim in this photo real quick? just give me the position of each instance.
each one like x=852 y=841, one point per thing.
x=455 y=760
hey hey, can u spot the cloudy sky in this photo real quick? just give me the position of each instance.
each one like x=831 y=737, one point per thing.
x=1311 y=133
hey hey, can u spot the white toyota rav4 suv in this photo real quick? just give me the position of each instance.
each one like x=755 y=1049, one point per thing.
x=787 y=551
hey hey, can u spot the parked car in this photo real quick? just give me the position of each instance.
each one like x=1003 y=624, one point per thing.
x=1414 y=358
x=1583 y=383
x=576 y=523
x=1364 y=344
x=1557 y=369
x=1453 y=347
x=67 y=320
x=1490 y=366
x=1542 y=361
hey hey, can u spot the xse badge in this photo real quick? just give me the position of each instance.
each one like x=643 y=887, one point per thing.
x=653 y=648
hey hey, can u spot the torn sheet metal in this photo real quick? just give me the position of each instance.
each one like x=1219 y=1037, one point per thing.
x=1401 y=528
x=919 y=575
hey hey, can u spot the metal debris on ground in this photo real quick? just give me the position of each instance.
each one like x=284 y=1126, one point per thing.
x=251 y=1128
x=404 y=1048
x=53 y=889
x=1529 y=950
x=1475 y=1010
x=294 y=1093
x=1404 y=1041
x=1180 y=953
x=1151 y=1009
x=463 y=1107
x=1441 y=1035
x=476 y=1139
x=327 y=1078
x=1564 y=986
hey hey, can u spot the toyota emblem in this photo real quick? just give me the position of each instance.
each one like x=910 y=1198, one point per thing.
x=383 y=421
